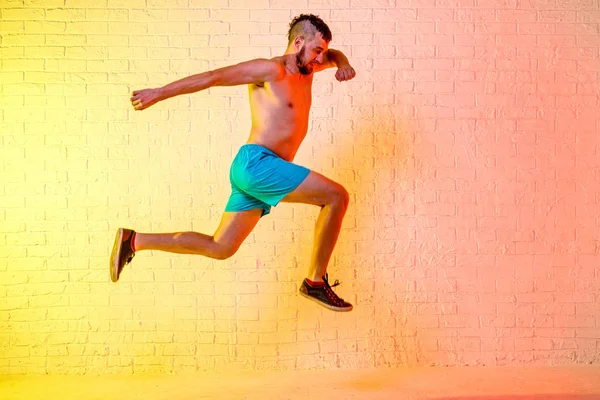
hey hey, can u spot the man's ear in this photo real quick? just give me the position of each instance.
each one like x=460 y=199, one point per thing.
x=298 y=42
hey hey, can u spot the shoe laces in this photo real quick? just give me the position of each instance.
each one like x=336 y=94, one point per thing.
x=330 y=293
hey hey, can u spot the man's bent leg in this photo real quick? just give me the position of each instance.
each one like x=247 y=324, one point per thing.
x=333 y=200
x=232 y=231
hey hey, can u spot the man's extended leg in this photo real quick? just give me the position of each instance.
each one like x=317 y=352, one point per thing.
x=333 y=200
x=232 y=231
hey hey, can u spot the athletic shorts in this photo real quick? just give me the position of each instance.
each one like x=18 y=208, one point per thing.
x=260 y=179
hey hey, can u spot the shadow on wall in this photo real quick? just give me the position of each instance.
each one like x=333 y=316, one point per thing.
x=379 y=239
x=373 y=158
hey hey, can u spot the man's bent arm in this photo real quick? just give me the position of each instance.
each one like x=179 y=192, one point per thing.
x=337 y=58
x=332 y=58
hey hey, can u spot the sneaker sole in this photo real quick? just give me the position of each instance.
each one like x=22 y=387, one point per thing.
x=114 y=256
x=333 y=308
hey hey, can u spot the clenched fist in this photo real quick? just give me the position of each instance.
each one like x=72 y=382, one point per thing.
x=142 y=99
x=345 y=73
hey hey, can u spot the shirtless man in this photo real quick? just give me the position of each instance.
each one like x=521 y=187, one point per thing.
x=262 y=173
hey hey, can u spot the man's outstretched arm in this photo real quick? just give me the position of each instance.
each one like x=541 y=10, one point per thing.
x=254 y=71
x=335 y=58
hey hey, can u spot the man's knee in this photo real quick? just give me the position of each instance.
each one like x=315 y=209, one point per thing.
x=340 y=197
x=224 y=251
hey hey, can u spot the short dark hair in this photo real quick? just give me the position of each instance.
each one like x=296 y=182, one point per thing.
x=298 y=27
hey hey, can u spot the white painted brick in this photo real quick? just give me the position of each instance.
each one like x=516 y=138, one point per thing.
x=442 y=96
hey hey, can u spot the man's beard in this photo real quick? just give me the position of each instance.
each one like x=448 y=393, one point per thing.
x=304 y=69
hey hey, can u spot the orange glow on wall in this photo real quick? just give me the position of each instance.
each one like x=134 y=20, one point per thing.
x=468 y=141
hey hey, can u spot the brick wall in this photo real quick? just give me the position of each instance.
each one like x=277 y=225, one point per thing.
x=468 y=142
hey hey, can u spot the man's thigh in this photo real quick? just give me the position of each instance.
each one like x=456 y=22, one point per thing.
x=236 y=226
x=316 y=189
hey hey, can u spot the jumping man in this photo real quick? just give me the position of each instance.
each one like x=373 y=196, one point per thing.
x=262 y=174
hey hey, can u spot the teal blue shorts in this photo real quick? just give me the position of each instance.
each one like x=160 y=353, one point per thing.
x=261 y=179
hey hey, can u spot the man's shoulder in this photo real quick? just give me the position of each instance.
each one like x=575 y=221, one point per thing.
x=279 y=64
x=279 y=61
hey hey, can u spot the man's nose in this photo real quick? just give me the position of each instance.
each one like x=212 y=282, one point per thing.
x=320 y=58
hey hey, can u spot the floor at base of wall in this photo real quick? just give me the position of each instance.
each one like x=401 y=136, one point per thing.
x=578 y=382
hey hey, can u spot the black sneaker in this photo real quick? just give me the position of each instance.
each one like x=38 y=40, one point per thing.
x=324 y=296
x=122 y=252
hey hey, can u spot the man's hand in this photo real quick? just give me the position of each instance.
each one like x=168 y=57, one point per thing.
x=143 y=99
x=345 y=73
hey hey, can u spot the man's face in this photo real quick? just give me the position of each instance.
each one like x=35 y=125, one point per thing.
x=311 y=53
